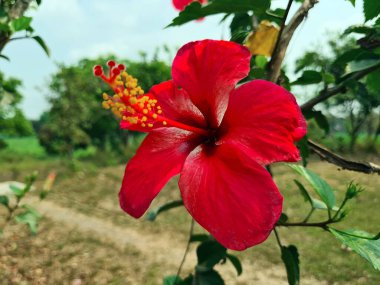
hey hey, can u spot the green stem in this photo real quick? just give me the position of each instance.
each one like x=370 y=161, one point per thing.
x=340 y=208
x=309 y=215
x=186 y=252
x=277 y=235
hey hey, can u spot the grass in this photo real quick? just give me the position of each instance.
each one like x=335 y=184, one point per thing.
x=28 y=146
x=92 y=190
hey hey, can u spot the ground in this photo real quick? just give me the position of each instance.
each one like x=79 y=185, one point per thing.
x=84 y=238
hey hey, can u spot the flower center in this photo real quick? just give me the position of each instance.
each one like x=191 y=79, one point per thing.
x=131 y=105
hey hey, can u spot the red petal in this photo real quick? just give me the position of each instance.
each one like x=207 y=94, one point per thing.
x=265 y=120
x=209 y=70
x=230 y=195
x=159 y=158
x=181 y=4
x=176 y=104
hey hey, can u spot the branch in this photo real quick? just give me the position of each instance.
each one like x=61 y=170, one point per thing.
x=325 y=154
x=16 y=11
x=341 y=87
x=285 y=37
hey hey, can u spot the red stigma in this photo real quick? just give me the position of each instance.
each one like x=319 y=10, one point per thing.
x=111 y=63
x=116 y=72
x=98 y=71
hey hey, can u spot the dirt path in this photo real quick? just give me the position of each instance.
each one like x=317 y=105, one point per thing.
x=160 y=249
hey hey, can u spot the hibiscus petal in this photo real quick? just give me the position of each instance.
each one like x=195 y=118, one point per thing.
x=177 y=105
x=209 y=70
x=160 y=157
x=181 y=4
x=230 y=195
x=265 y=120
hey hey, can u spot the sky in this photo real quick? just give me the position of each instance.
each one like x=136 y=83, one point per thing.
x=74 y=29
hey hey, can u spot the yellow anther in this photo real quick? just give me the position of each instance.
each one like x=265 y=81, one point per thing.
x=132 y=100
x=105 y=96
x=164 y=123
x=130 y=109
x=116 y=97
x=154 y=116
x=143 y=125
x=141 y=105
x=159 y=111
x=159 y=107
x=144 y=119
x=145 y=111
x=124 y=118
x=105 y=105
x=150 y=125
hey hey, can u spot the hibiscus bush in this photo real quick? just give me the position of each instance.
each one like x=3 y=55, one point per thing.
x=226 y=115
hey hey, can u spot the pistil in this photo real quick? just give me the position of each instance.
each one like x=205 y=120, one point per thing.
x=131 y=104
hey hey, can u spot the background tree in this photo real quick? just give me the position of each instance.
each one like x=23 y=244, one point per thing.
x=359 y=99
x=12 y=119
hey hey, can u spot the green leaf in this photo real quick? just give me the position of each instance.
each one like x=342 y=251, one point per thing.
x=304 y=150
x=373 y=82
x=352 y=2
x=328 y=78
x=241 y=22
x=239 y=36
x=29 y=217
x=276 y=16
x=304 y=192
x=195 y=10
x=322 y=121
x=39 y=2
x=321 y=187
x=200 y=238
x=319 y=118
x=172 y=280
x=283 y=219
x=362 y=243
x=152 y=215
x=359 y=65
x=371 y=9
x=314 y=203
x=261 y=61
x=289 y=256
x=4 y=200
x=359 y=29
x=209 y=254
x=236 y=263
x=20 y=24
x=208 y=278
x=42 y=44
x=17 y=191
x=4 y=28
x=308 y=77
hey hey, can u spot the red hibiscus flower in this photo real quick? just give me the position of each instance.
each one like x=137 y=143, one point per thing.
x=217 y=136
x=181 y=4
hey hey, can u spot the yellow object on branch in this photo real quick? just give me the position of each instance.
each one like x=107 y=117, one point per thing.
x=263 y=40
